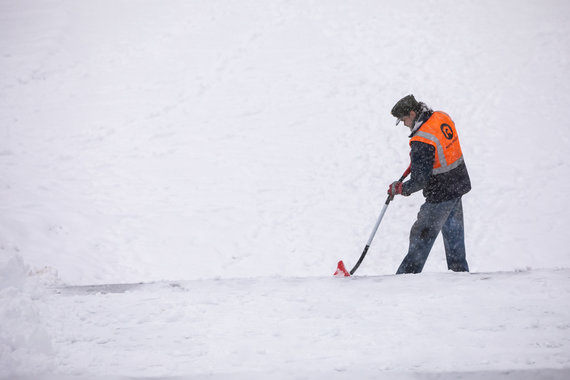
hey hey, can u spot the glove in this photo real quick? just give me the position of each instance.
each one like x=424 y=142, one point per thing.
x=395 y=188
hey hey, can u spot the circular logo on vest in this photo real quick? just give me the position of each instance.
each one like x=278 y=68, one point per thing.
x=447 y=131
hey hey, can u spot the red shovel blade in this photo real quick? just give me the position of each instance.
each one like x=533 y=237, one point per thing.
x=341 y=270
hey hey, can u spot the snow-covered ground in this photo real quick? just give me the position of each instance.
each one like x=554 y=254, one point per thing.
x=316 y=327
x=229 y=153
x=512 y=325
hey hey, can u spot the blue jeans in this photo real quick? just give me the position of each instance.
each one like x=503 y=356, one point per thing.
x=446 y=217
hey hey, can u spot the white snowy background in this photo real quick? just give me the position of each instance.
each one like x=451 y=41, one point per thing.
x=232 y=152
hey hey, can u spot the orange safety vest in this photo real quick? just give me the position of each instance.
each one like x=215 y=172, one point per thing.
x=439 y=132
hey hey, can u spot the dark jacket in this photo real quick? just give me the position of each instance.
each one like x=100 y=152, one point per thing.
x=436 y=188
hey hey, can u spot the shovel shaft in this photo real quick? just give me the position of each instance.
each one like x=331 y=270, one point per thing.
x=373 y=233
x=375 y=229
x=360 y=259
x=371 y=237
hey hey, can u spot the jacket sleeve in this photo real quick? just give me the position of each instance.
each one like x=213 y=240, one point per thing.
x=422 y=156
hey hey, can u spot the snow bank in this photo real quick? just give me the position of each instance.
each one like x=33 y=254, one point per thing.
x=25 y=347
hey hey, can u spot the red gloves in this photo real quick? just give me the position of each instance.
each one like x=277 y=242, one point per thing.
x=395 y=188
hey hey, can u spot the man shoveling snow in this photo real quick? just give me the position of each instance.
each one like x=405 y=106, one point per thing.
x=437 y=168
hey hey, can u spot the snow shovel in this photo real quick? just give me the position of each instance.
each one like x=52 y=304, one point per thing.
x=341 y=269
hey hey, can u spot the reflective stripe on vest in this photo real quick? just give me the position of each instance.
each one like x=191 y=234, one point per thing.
x=439 y=131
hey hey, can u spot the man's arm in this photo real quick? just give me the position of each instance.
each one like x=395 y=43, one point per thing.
x=422 y=156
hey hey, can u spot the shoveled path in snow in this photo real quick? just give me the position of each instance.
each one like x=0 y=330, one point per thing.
x=433 y=325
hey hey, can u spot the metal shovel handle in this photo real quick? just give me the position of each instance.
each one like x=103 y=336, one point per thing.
x=388 y=200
